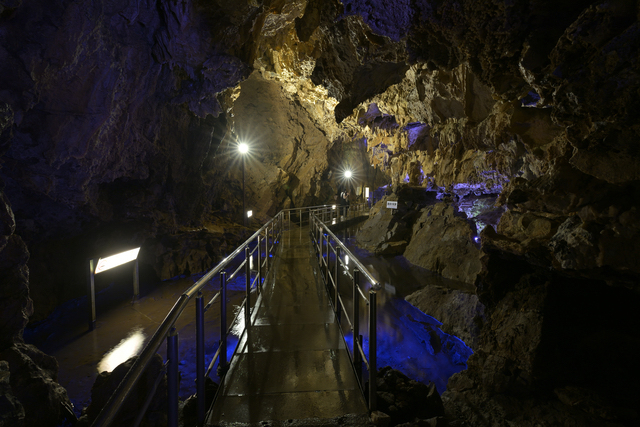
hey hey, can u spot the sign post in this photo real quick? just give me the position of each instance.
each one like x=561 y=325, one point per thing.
x=104 y=264
x=392 y=205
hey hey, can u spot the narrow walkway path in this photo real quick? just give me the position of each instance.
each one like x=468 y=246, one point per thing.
x=292 y=364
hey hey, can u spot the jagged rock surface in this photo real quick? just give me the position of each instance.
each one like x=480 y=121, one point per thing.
x=35 y=395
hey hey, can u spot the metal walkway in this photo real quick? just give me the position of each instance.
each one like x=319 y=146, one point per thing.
x=291 y=363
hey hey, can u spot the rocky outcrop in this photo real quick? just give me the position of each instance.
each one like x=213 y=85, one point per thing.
x=14 y=292
x=405 y=400
x=444 y=243
x=106 y=384
x=34 y=396
x=459 y=310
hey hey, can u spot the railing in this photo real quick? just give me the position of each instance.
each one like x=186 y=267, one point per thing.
x=267 y=239
x=327 y=244
x=269 y=236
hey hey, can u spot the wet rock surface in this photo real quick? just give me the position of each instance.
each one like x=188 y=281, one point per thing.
x=405 y=400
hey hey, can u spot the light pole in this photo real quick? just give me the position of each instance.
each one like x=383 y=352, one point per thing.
x=243 y=148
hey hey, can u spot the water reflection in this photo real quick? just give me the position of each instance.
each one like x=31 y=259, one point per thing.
x=408 y=339
x=127 y=348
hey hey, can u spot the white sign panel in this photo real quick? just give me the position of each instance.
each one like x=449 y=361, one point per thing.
x=392 y=205
x=108 y=263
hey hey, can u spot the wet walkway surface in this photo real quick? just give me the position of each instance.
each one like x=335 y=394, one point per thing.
x=292 y=363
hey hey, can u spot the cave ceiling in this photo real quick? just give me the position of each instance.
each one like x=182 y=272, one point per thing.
x=126 y=114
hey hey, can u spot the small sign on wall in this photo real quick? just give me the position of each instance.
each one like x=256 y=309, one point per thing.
x=392 y=205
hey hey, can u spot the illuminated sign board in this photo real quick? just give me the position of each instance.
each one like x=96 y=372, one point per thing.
x=112 y=261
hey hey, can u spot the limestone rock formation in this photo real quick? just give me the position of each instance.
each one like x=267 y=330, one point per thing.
x=444 y=243
x=459 y=310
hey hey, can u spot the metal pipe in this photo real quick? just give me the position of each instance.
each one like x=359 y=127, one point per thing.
x=200 y=359
x=356 y=322
x=336 y=297
x=373 y=344
x=172 y=378
x=326 y=264
x=259 y=272
x=222 y=365
x=91 y=292
x=136 y=280
x=247 y=306
x=150 y=396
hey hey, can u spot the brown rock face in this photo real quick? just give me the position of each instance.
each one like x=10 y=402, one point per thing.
x=444 y=243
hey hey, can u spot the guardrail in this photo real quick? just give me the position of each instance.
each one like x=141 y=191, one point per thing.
x=269 y=235
x=327 y=244
x=267 y=239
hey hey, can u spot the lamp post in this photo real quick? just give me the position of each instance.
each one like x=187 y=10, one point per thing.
x=243 y=148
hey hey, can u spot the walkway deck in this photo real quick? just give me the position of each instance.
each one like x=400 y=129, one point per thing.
x=292 y=364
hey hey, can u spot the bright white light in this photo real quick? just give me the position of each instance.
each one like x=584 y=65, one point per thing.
x=333 y=207
x=366 y=192
x=122 y=352
x=249 y=214
x=243 y=148
x=107 y=263
x=477 y=239
x=347 y=174
x=333 y=222
x=346 y=259
x=251 y=262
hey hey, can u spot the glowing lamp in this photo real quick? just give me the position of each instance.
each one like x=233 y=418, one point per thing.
x=346 y=259
x=249 y=214
x=347 y=173
x=243 y=148
x=112 y=261
x=366 y=192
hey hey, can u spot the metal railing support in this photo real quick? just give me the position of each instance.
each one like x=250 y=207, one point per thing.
x=373 y=344
x=222 y=364
x=247 y=272
x=172 y=378
x=200 y=403
x=326 y=267
x=259 y=273
x=357 y=362
x=136 y=280
x=337 y=286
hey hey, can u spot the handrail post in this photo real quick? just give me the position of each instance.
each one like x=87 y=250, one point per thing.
x=373 y=344
x=259 y=273
x=222 y=364
x=91 y=293
x=247 y=272
x=326 y=267
x=336 y=299
x=200 y=359
x=320 y=237
x=136 y=280
x=172 y=378
x=356 y=323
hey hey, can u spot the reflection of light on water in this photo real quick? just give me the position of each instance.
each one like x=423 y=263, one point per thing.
x=127 y=348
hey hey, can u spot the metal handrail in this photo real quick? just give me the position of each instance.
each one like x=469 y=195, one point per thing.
x=124 y=389
x=318 y=230
x=117 y=399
